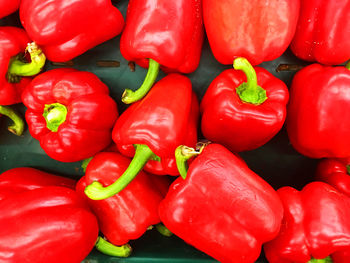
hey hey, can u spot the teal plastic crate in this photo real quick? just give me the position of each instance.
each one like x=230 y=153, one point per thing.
x=277 y=162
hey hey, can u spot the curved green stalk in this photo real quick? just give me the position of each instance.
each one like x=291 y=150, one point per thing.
x=143 y=154
x=109 y=249
x=250 y=91
x=20 y=68
x=18 y=124
x=183 y=154
x=163 y=230
x=85 y=163
x=348 y=65
x=129 y=96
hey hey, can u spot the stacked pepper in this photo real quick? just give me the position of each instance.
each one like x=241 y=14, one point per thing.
x=164 y=34
x=151 y=129
x=257 y=30
x=65 y=30
x=129 y=214
x=244 y=107
x=43 y=208
x=315 y=224
x=322 y=32
x=8 y=7
x=15 y=66
x=336 y=173
x=219 y=205
x=66 y=108
x=318 y=110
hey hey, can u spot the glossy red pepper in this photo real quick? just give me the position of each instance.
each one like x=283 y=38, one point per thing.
x=315 y=225
x=317 y=112
x=243 y=111
x=257 y=30
x=151 y=129
x=15 y=68
x=336 y=173
x=49 y=224
x=322 y=32
x=67 y=29
x=18 y=124
x=22 y=179
x=68 y=108
x=166 y=34
x=221 y=207
x=127 y=215
x=8 y=7
x=18 y=180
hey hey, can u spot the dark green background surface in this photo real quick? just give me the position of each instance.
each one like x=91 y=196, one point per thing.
x=277 y=162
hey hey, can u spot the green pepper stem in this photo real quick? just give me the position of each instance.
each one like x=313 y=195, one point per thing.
x=85 y=163
x=55 y=114
x=109 y=249
x=183 y=154
x=18 y=124
x=250 y=91
x=324 y=260
x=348 y=65
x=143 y=154
x=130 y=96
x=24 y=69
x=163 y=230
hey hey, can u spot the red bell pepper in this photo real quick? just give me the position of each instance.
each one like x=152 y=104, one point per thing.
x=15 y=68
x=257 y=30
x=315 y=225
x=8 y=7
x=66 y=109
x=130 y=213
x=18 y=180
x=317 y=112
x=341 y=257
x=49 y=224
x=243 y=111
x=18 y=124
x=151 y=129
x=67 y=29
x=336 y=173
x=22 y=179
x=222 y=207
x=322 y=32
x=166 y=34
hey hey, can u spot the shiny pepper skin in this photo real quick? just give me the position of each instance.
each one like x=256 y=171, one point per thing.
x=238 y=125
x=336 y=173
x=22 y=179
x=67 y=29
x=71 y=113
x=49 y=224
x=127 y=215
x=259 y=30
x=169 y=32
x=8 y=7
x=222 y=207
x=322 y=33
x=315 y=224
x=13 y=41
x=166 y=118
x=319 y=110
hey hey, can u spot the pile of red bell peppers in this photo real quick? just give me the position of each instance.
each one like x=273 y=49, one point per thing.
x=171 y=160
